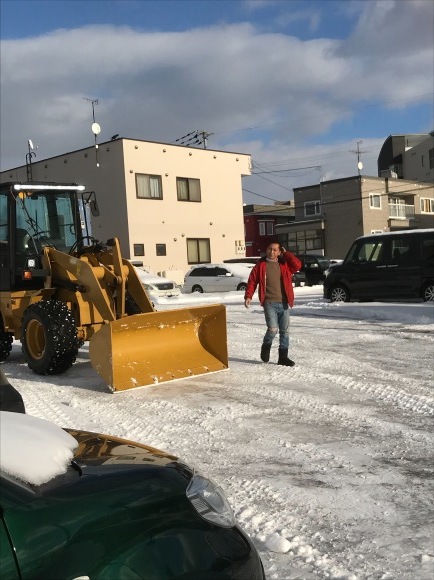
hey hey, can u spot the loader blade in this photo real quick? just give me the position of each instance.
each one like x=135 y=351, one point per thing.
x=155 y=347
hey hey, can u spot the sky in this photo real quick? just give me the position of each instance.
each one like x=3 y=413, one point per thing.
x=327 y=465
x=301 y=86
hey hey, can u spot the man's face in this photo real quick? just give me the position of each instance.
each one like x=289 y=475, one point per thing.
x=273 y=251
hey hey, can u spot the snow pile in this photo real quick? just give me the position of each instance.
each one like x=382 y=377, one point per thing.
x=32 y=449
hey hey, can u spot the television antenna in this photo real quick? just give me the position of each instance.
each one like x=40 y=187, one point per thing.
x=95 y=128
x=359 y=153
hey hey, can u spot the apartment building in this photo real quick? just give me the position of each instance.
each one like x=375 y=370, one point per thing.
x=331 y=214
x=408 y=157
x=170 y=206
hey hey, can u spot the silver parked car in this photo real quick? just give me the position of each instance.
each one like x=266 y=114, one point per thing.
x=216 y=278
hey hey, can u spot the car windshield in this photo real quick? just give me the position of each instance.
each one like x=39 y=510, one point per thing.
x=324 y=262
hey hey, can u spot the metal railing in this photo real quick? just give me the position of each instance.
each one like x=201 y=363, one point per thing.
x=401 y=211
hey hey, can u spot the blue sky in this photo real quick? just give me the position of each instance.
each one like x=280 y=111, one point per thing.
x=294 y=83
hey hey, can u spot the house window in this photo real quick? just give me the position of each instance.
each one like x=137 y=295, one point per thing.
x=312 y=208
x=375 y=201
x=422 y=160
x=160 y=249
x=426 y=205
x=266 y=228
x=431 y=158
x=148 y=186
x=300 y=242
x=198 y=251
x=139 y=249
x=188 y=189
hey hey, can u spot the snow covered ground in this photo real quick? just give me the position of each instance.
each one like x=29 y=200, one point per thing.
x=328 y=465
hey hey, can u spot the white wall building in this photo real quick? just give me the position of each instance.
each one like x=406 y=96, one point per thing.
x=171 y=206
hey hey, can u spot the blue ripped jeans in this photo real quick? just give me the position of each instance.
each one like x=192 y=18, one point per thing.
x=277 y=319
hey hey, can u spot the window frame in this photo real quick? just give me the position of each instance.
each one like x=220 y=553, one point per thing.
x=189 y=186
x=149 y=176
x=160 y=249
x=316 y=204
x=139 y=249
x=198 y=242
x=430 y=203
x=373 y=196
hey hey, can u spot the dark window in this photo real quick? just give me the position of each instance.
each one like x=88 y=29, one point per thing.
x=203 y=272
x=160 y=249
x=139 y=249
x=312 y=208
x=222 y=272
x=266 y=228
x=188 y=189
x=431 y=158
x=148 y=186
x=198 y=251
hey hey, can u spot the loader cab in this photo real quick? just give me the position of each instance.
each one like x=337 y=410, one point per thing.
x=32 y=216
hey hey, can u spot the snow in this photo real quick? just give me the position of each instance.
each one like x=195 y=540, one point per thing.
x=32 y=449
x=328 y=465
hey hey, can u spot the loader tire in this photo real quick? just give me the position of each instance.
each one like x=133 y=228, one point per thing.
x=6 y=340
x=49 y=337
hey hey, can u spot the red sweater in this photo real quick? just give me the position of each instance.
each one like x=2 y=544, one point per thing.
x=289 y=264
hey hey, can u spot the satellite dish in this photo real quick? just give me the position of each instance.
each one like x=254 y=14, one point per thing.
x=96 y=129
x=31 y=144
x=359 y=165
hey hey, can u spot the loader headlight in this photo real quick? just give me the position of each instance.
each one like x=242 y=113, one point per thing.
x=210 y=502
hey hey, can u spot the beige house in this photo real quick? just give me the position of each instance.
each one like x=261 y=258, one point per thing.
x=331 y=214
x=171 y=206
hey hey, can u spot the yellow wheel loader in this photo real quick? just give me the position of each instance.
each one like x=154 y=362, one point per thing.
x=60 y=288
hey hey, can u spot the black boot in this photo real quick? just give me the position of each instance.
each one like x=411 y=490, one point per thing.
x=265 y=351
x=283 y=358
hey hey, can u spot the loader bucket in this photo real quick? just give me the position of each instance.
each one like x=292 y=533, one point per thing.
x=155 y=347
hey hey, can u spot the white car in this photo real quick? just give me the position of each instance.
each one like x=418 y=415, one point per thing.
x=216 y=278
x=157 y=286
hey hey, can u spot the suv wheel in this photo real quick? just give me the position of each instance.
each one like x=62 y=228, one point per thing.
x=242 y=287
x=428 y=292
x=197 y=289
x=339 y=294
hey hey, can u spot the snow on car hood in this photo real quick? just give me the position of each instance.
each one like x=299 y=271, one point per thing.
x=32 y=449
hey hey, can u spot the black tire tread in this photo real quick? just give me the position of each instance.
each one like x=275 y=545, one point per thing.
x=62 y=344
x=6 y=340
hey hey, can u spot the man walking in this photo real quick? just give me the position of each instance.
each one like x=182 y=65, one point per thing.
x=273 y=275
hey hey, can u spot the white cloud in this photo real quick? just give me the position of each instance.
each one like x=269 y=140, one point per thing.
x=162 y=85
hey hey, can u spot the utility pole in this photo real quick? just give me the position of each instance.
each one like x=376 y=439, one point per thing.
x=96 y=129
x=359 y=153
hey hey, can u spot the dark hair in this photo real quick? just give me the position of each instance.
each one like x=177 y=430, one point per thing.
x=274 y=242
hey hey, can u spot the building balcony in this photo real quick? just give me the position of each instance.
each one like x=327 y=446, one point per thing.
x=401 y=211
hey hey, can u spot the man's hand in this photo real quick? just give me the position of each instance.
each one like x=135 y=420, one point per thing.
x=247 y=302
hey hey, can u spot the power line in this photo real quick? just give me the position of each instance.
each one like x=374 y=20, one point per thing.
x=410 y=100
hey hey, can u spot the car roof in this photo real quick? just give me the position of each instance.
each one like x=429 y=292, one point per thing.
x=151 y=278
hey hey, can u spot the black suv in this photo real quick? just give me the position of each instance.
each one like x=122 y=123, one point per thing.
x=313 y=270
